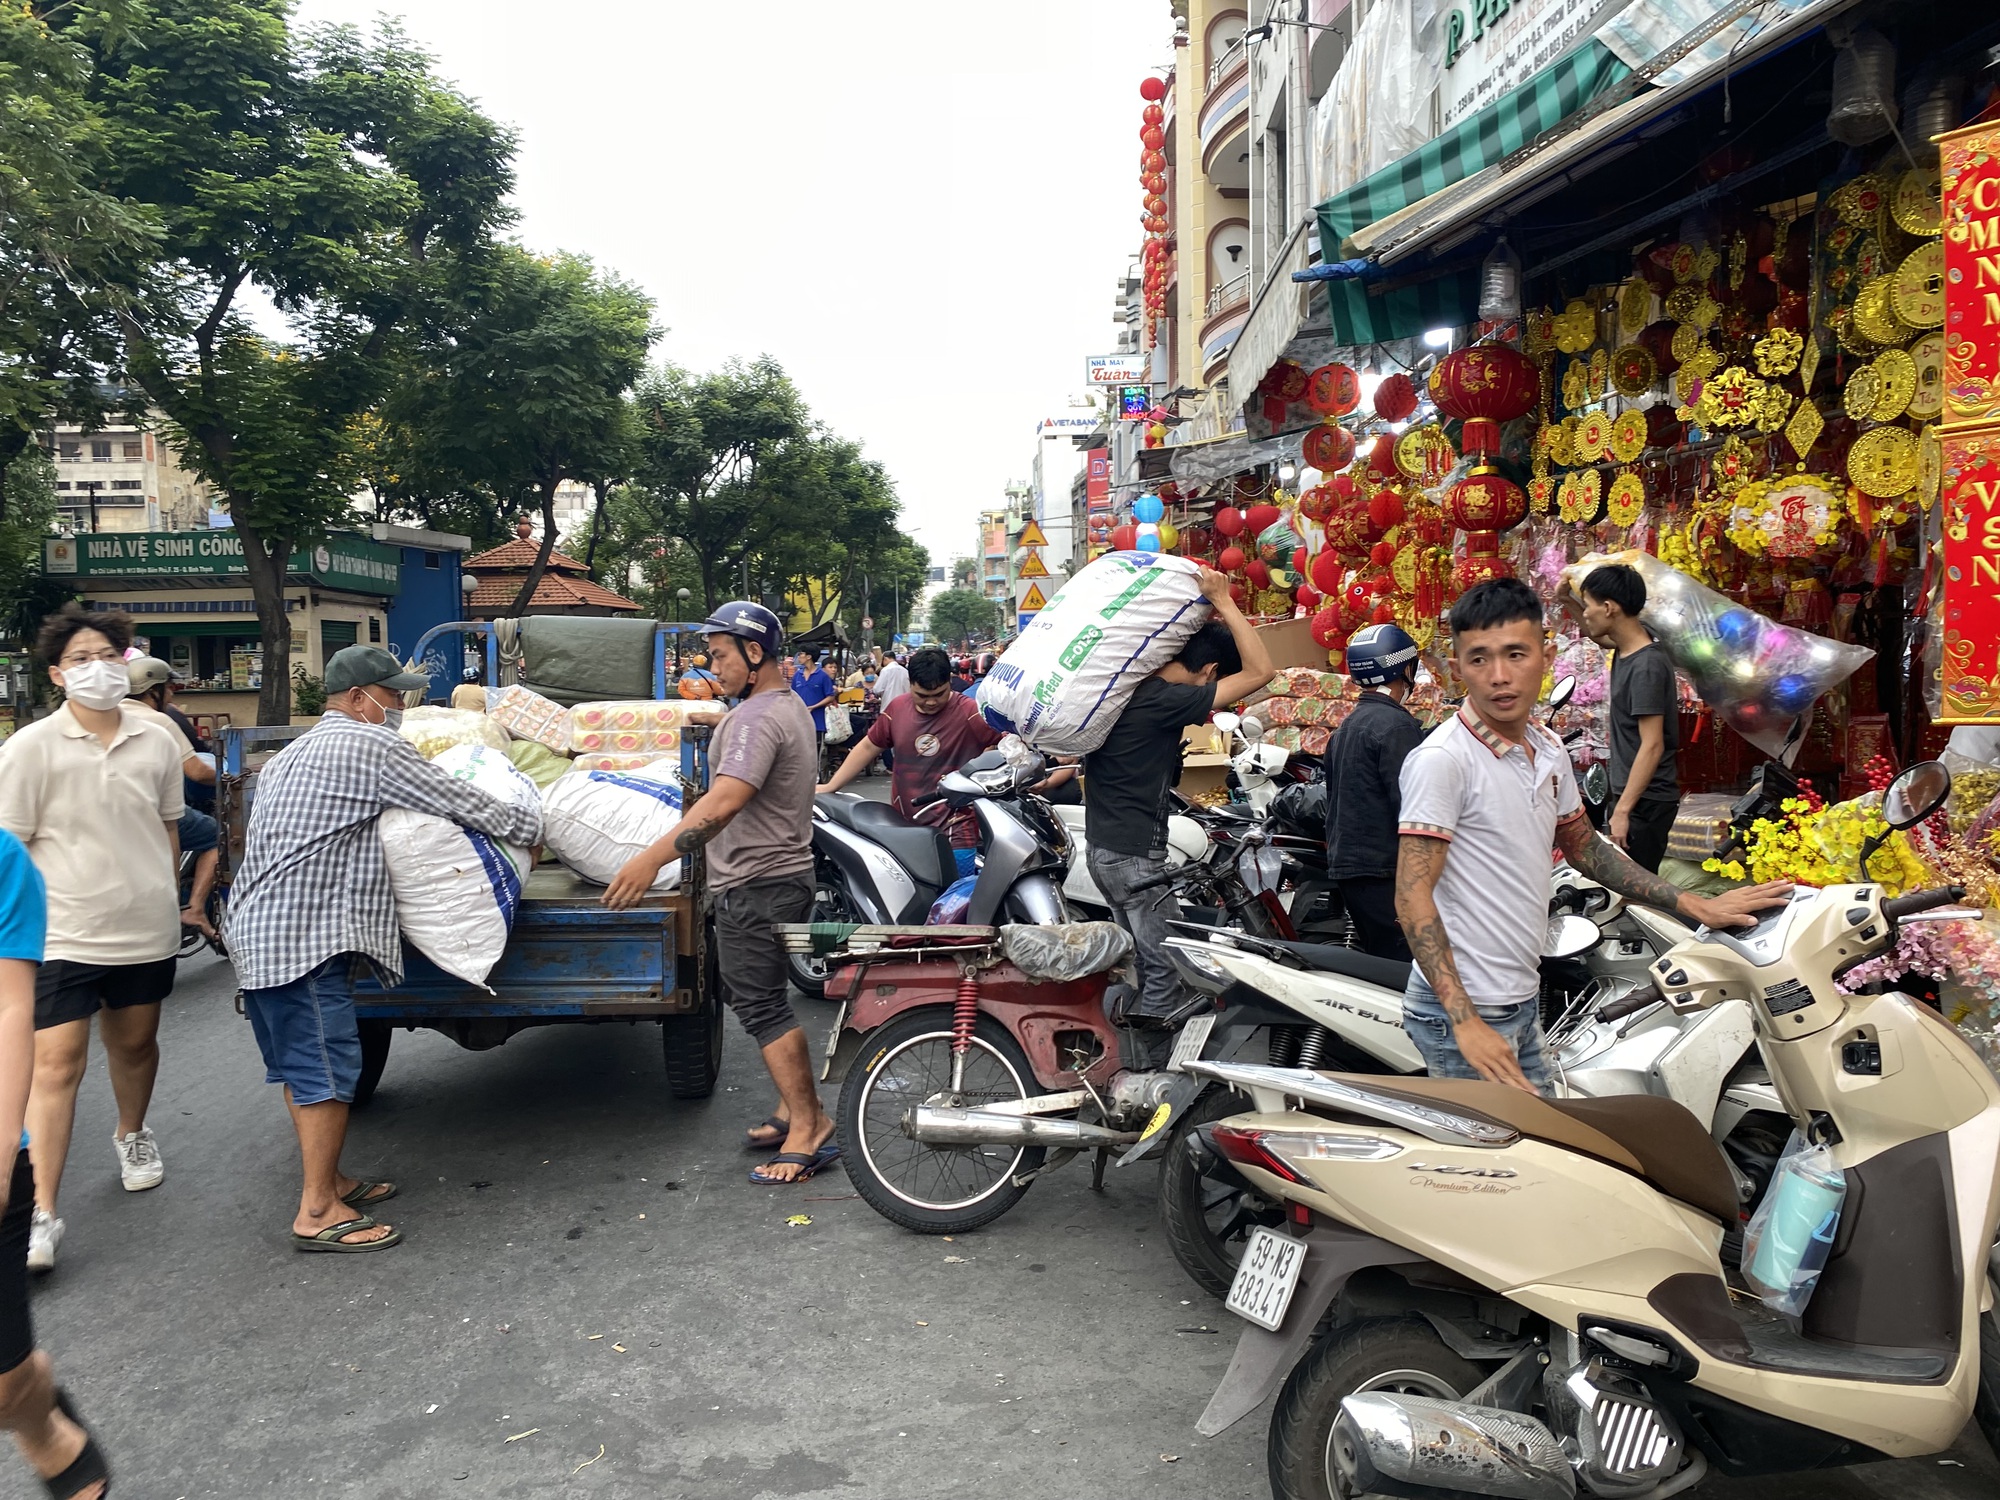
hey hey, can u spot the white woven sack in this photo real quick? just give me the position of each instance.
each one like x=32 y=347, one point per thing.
x=594 y=821
x=457 y=889
x=1065 y=679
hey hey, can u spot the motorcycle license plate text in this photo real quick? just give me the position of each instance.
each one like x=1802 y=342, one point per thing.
x=1265 y=1281
x=1188 y=1045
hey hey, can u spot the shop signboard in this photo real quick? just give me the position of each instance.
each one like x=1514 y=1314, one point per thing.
x=1969 y=267
x=1097 y=480
x=341 y=561
x=1118 y=369
x=1491 y=45
x=1970 y=493
x=1134 y=402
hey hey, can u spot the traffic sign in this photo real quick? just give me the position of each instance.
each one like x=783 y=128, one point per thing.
x=1032 y=600
x=1031 y=536
x=1034 y=567
x=867 y=622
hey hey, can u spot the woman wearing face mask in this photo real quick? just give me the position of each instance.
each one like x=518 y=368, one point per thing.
x=88 y=791
x=313 y=899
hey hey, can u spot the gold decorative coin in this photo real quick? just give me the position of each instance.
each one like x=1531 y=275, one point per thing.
x=1635 y=302
x=1914 y=204
x=1918 y=294
x=1593 y=434
x=1863 y=390
x=1883 y=462
x=1804 y=429
x=1896 y=378
x=1874 y=319
x=1859 y=202
x=1930 y=466
x=1927 y=358
x=1628 y=436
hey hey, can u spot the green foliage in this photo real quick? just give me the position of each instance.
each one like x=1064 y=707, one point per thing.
x=308 y=692
x=960 y=616
x=26 y=593
x=965 y=572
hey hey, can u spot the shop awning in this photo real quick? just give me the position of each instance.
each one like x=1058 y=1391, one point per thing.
x=150 y=625
x=1496 y=162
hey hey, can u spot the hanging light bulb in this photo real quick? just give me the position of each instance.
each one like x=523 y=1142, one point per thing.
x=1500 y=284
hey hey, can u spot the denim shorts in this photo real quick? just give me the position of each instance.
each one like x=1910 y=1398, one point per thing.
x=1427 y=1025
x=198 y=832
x=307 y=1032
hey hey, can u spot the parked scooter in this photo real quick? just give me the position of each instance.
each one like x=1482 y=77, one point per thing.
x=1528 y=1297
x=872 y=864
x=1255 y=764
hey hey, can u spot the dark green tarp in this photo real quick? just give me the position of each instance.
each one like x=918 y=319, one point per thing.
x=587 y=658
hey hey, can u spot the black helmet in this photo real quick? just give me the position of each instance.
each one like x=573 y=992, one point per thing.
x=749 y=620
x=1380 y=654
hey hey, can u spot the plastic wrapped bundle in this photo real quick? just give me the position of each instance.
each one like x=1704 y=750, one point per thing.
x=634 y=726
x=1069 y=950
x=527 y=715
x=1760 y=676
x=436 y=730
x=608 y=760
x=1065 y=679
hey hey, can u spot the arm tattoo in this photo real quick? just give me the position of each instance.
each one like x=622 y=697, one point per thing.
x=1612 y=869
x=1419 y=861
x=692 y=835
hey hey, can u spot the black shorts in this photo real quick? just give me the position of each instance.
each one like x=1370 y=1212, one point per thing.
x=17 y=1330
x=755 y=979
x=68 y=991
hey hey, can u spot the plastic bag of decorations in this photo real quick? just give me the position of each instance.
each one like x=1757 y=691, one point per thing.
x=1762 y=678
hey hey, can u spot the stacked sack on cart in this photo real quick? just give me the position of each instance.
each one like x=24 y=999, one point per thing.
x=608 y=776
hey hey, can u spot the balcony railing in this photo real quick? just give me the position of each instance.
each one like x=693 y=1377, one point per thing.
x=1227 y=61
x=1228 y=293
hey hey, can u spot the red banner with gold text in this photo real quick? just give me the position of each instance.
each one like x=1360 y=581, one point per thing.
x=1970 y=266
x=1970 y=493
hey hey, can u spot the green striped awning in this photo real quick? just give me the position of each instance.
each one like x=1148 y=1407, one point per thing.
x=1472 y=145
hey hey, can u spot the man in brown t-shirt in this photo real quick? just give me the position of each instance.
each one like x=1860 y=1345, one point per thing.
x=756 y=821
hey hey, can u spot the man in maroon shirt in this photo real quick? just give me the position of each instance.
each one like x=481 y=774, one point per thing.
x=933 y=731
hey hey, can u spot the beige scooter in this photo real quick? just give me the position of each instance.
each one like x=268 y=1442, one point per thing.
x=1526 y=1297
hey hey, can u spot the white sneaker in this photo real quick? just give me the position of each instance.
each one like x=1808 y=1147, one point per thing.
x=139 y=1164
x=44 y=1234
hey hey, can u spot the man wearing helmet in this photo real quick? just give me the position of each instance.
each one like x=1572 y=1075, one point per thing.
x=1364 y=764
x=755 y=820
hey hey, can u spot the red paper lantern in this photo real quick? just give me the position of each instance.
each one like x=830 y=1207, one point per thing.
x=1325 y=572
x=1155 y=204
x=1326 y=629
x=1381 y=585
x=1290 y=381
x=1231 y=560
x=1301 y=559
x=1347 y=528
x=1152 y=114
x=1258 y=574
x=1308 y=597
x=1328 y=447
x=1395 y=398
x=1229 y=521
x=1262 y=517
x=1124 y=538
x=1383 y=614
x=1333 y=390
x=1476 y=568
x=1385 y=509
x=1484 y=385
x=1316 y=504
x=1239 y=595
x=1382 y=554
x=1152 y=90
x=1153 y=161
x=1152 y=137
x=1485 y=500
x=1342 y=486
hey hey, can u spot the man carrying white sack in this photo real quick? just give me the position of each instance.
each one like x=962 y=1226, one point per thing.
x=756 y=821
x=313 y=894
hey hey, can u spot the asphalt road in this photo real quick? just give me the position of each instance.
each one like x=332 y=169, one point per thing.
x=593 y=1299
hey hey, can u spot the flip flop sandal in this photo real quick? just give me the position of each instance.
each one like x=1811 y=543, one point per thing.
x=87 y=1468
x=366 y=1197
x=770 y=1122
x=329 y=1241
x=808 y=1166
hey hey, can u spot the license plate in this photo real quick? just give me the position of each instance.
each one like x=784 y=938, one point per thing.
x=1265 y=1281
x=1188 y=1045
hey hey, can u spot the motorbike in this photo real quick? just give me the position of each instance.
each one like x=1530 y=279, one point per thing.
x=193 y=939
x=1187 y=843
x=1527 y=1298
x=1254 y=767
x=872 y=864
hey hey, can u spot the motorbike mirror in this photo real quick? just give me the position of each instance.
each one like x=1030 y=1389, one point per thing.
x=1228 y=723
x=1561 y=693
x=1253 y=730
x=1596 y=784
x=1916 y=794
x=1570 y=935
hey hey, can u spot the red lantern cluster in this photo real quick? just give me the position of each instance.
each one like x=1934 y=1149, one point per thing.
x=1484 y=385
x=1156 y=260
x=1396 y=398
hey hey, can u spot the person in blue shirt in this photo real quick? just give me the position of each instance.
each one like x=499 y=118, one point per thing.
x=56 y=1444
x=816 y=690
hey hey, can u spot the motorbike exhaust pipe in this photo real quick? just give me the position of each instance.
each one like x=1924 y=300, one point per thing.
x=985 y=1127
x=1402 y=1445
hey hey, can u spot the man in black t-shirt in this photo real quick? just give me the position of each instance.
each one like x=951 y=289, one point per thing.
x=1645 y=715
x=1126 y=781
x=1364 y=793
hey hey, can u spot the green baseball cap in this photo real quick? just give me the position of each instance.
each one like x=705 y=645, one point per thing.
x=369 y=666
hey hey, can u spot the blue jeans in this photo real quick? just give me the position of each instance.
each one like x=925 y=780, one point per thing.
x=198 y=832
x=1145 y=915
x=308 y=1034
x=1429 y=1027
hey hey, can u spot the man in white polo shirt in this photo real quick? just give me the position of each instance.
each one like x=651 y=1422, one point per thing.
x=1485 y=797
x=94 y=791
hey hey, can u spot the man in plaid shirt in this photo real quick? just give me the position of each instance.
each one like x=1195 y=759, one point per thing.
x=314 y=894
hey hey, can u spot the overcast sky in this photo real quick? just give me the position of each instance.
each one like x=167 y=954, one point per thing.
x=919 y=210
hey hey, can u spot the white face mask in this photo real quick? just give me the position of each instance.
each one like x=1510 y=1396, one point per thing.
x=392 y=718
x=100 y=685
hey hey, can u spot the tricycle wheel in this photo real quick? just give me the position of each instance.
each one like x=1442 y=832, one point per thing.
x=1209 y=1218
x=694 y=1051
x=932 y=1189
x=375 y=1039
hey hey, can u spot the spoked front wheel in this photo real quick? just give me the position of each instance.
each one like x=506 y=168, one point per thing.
x=932 y=1189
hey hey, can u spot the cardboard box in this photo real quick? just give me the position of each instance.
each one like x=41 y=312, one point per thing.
x=1291 y=644
x=1204 y=763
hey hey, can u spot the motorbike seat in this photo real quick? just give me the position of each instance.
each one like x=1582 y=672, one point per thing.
x=917 y=847
x=1655 y=1139
x=1331 y=958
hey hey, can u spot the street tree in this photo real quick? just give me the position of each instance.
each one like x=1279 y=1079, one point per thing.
x=960 y=616
x=332 y=172
x=69 y=250
x=965 y=572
